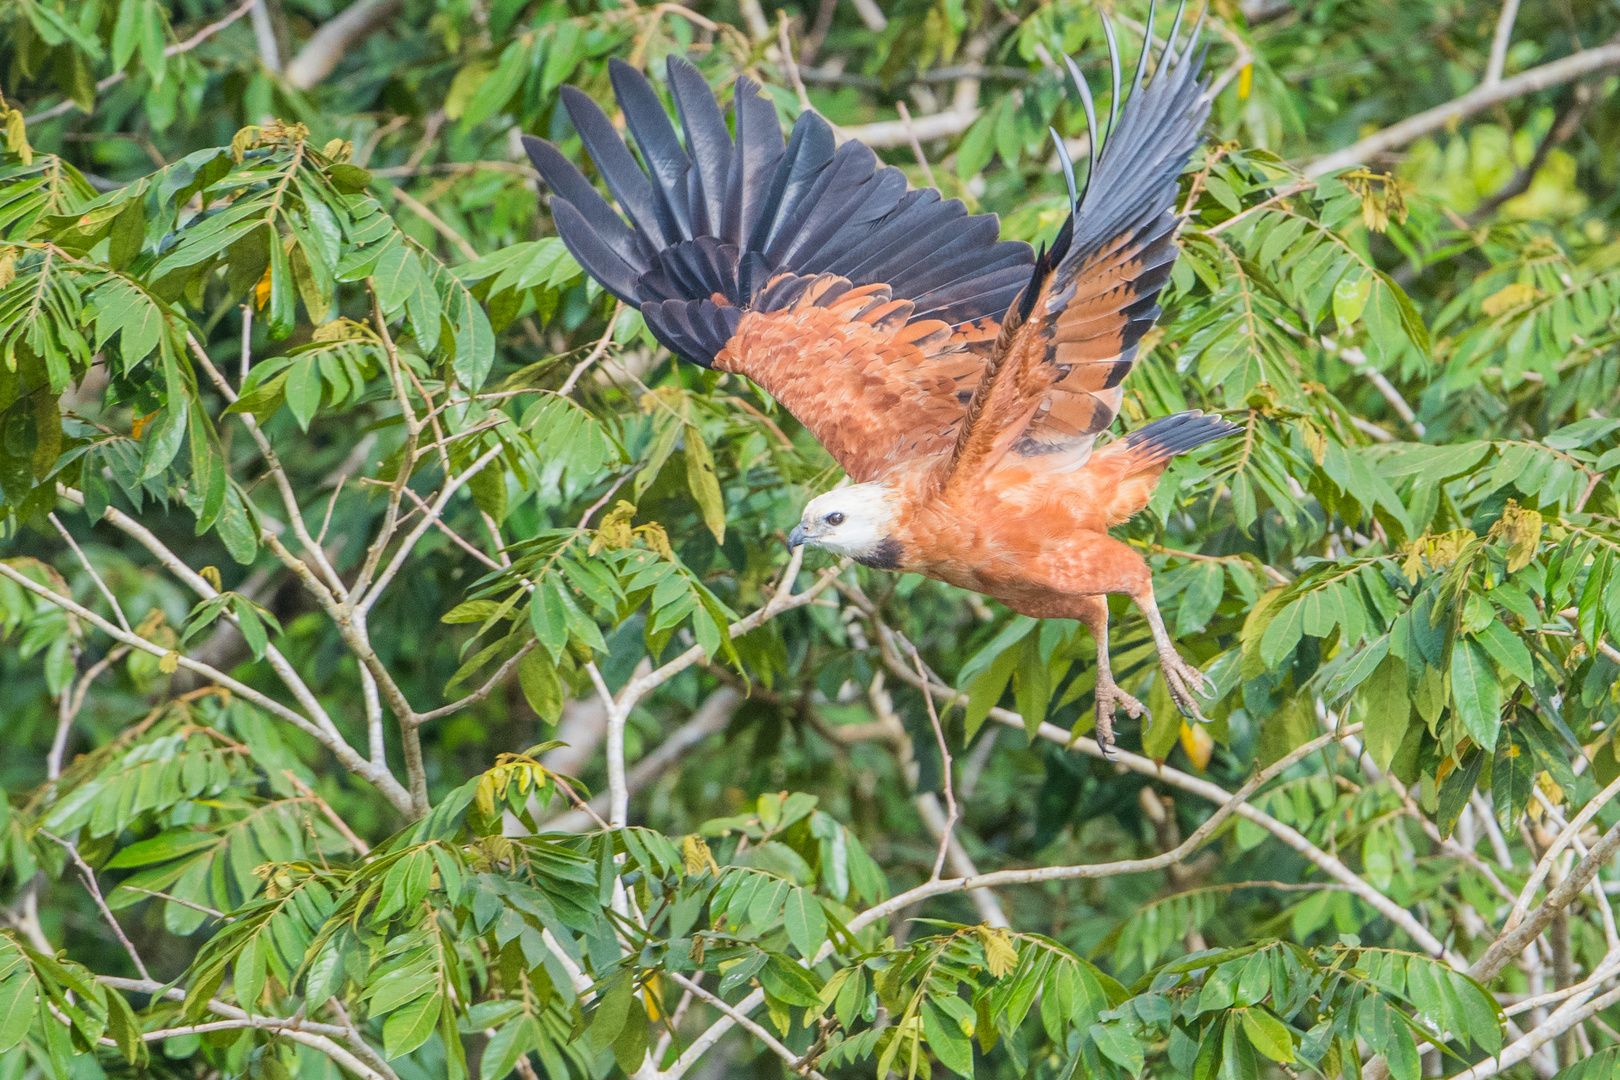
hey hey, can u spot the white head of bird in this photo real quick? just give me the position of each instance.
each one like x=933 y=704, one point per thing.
x=856 y=521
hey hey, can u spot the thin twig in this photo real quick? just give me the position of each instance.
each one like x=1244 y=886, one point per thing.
x=440 y=226
x=1500 y=42
x=916 y=147
x=590 y=511
x=785 y=44
x=793 y=1060
x=70 y=705
x=112 y=601
x=359 y=846
x=90 y=883
x=595 y=354
x=945 y=768
x=205 y=909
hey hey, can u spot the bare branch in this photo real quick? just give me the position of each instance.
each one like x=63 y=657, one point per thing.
x=985 y=900
x=916 y=147
x=1563 y=840
x=359 y=846
x=595 y=354
x=871 y=14
x=289 y=498
x=376 y=770
x=264 y=31
x=364 y=602
x=1500 y=42
x=945 y=766
x=440 y=226
x=344 y=753
x=483 y=691
x=1477 y=100
x=784 y=44
x=112 y=601
x=1511 y=943
x=327 y=46
x=90 y=883
x=314 y=1035
x=793 y=1060
x=68 y=710
x=710 y=718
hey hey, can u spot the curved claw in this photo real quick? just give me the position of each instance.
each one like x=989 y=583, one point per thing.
x=1183 y=680
x=1109 y=697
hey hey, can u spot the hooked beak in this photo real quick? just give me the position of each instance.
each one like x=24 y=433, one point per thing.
x=798 y=536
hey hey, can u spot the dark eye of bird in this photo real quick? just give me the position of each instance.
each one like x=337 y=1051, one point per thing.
x=835 y=519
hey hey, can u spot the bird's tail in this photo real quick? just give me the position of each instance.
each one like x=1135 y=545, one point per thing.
x=1157 y=442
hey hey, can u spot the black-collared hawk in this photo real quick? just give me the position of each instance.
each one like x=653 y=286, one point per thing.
x=960 y=380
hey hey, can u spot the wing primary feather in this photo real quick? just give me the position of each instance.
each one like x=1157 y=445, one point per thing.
x=1091 y=117
x=661 y=151
x=593 y=253
x=568 y=183
x=1197 y=31
x=1168 y=57
x=1147 y=48
x=617 y=165
x=708 y=143
x=1068 y=167
x=1114 y=74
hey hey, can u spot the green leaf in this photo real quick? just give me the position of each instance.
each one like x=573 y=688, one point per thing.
x=1350 y=295
x=1474 y=691
x=303 y=390
x=409 y=1026
x=1513 y=775
x=1386 y=710
x=1118 y=1046
x=611 y=1011
x=788 y=982
x=349 y=179
x=1268 y=1034
x=1455 y=790
x=705 y=485
x=499 y=86
x=805 y=921
x=474 y=339
x=17 y=1007
x=170 y=845
x=537 y=676
x=945 y=1038
x=630 y=1048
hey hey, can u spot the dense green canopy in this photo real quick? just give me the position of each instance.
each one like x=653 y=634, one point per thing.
x=405 y=674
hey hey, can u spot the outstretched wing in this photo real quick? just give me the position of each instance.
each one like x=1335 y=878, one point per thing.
x=1053 y=381
x=865 y=308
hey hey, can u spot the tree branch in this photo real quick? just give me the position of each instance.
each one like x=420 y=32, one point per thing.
x=1511 y=943
x=1477 y=100
x=344 y=753
x=796 y=1063
x=1500 y=42
x=710 y=718
x=327 y=46
x=94 y=888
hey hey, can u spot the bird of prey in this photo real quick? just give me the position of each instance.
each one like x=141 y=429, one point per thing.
x=962 y=382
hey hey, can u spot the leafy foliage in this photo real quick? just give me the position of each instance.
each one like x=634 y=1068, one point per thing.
x=361 y=474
